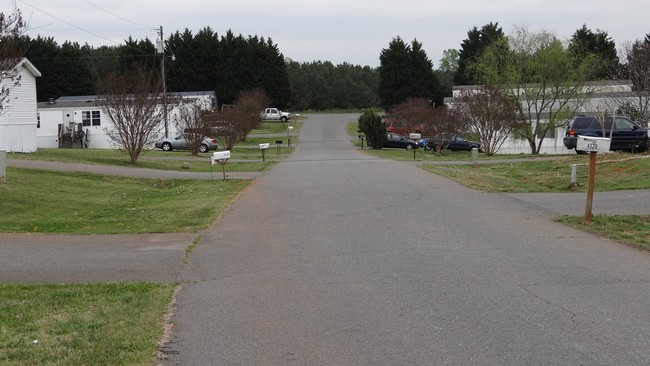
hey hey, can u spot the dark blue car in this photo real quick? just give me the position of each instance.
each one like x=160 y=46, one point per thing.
x=456 y=143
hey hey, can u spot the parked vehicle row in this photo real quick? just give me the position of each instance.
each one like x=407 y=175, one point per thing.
x=456 y=142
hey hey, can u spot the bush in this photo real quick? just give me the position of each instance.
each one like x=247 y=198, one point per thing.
x=371 y=125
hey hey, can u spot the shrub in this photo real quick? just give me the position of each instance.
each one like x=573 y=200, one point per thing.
x=371 y=125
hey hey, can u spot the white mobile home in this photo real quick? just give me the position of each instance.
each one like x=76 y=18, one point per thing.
x=18 y=121
x=75 y=121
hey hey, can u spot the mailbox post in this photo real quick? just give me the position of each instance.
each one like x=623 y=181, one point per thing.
x=415 y=137
x=263 y=147
x=593 y=145
x=278 y=144
x=289 y=129
x=220 y=157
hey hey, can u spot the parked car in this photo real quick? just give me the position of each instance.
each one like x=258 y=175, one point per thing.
x=180 y=143
x=626 y=135
x=398 y=141
x=274 y=114
x=456 y=142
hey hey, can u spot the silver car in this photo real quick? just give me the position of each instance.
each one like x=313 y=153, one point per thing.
x=180 y=143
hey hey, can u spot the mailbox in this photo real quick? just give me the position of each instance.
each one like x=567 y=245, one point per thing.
x=593 y=144
x=290 y=128
x=264 y=146
x=415 y=136
x=221 y=155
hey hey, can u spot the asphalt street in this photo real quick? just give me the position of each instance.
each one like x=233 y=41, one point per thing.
x=334 y=257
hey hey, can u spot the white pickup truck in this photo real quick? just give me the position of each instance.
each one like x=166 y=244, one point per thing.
x=274 y=114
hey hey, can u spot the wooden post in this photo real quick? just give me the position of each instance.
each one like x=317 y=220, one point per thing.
x=223 y=167
x=590 y=186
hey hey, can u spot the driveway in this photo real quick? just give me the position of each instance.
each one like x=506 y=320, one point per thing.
x=337 y=258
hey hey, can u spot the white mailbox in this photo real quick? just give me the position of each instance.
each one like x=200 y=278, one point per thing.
x=264 y=146
x=290 y=128
x=415 y=136
x=595 y=144
x=220 y=156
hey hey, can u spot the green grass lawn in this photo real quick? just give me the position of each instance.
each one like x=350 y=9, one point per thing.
x=633 y=230
x=277 y=127
x=93 y=324
x=613 y=172
x=155 y=159
x=84 y=203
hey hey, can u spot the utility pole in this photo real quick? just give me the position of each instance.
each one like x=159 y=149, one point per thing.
x=161 y=51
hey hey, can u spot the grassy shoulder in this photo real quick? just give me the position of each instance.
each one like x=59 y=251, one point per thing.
x=99 y=324
x=84 y=203
x=632 y=230
x=613 y=172
x=242 y=159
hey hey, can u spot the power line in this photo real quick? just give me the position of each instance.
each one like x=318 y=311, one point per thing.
x=68 y=23
x=116 y=16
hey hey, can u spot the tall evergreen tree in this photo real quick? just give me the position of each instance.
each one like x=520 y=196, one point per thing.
x=585 y=43
x=394 y=73
x=245 y=64
x=405 y=72
x=195 y=64
x=136 y=54
x=471 y=49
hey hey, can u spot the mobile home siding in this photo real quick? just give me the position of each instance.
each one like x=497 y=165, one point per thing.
x=19 y=120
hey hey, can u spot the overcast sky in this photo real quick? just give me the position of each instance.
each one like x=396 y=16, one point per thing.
x=352 y=31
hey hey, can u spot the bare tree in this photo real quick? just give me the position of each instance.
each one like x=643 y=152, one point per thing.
x=134 y=103
x=411 y=115
x=490 y=114
x=226 y=121
x=194 y=123
x=441 y=125
x=11 y=26
x=247 y=108
x=243 y=117
x=636 y=104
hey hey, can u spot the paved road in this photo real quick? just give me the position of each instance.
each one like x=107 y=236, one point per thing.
x=337 y=258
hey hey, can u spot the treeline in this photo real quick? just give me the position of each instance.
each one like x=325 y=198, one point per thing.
x=322 y=85
x=228 y=64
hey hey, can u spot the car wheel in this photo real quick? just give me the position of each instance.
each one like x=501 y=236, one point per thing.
x=203 y=148
x=409 y=147
x=166 y=146
x=283 y=119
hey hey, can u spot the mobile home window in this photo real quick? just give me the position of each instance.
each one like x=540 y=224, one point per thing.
x=91 y=118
